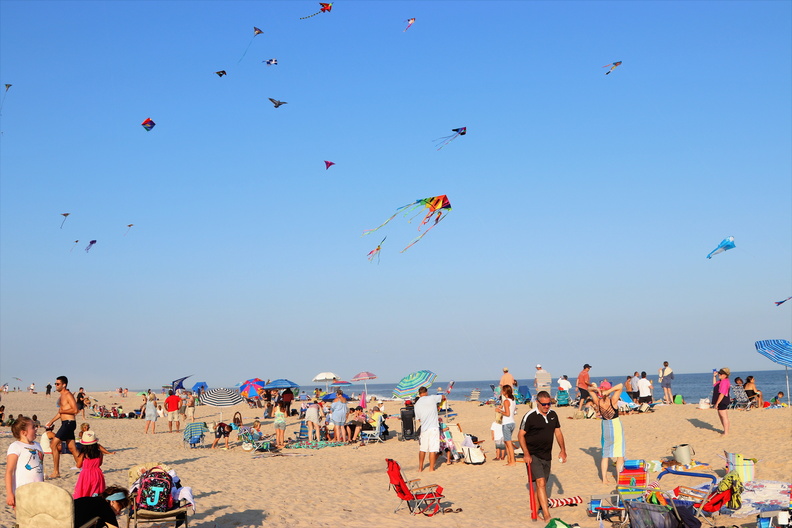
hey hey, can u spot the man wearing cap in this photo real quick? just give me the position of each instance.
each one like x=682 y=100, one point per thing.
x=507 y=379
x=542 y=380
x=582 y=384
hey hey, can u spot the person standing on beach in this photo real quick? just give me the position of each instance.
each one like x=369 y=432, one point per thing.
x=606 y=402
x=49 y=390
x=67 y=410
x=538 y=429
x=720 y=381
x=582 y=383
x=172 y=405
x=665 y=375
x=190 y=410
x=80 y=398
x=426 y=411
x=542 y=380
x=507 y=379
x=635 y=379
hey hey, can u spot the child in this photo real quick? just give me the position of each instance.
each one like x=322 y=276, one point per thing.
x=36 y=423
x=280 y=425
x=778 y=400
x=24 y=460
x=84 y=428
x=256 y=430
x=497 y=437
x=91 y=480
x=221 y=431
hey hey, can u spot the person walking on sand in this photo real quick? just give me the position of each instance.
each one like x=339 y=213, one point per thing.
x=582 y=383
x=720 y=381
x=665 y=375
x=426 y=412
x=538 y=429
x=67 y=411
x=172 y=405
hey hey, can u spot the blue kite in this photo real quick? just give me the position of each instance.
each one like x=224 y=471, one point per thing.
x=725 y=245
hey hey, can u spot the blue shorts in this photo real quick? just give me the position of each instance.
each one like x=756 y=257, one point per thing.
x=508 y=429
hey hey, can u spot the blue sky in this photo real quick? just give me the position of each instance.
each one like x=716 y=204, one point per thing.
x=583 y=204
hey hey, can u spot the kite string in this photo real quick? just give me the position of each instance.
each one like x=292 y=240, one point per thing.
x=246 y=50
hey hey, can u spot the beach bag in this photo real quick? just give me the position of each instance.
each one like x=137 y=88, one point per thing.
x=154 y=492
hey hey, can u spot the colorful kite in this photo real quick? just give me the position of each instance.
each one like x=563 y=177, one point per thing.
x=90 y=245
x=779 y=303
x=725 y=245
x=256 y=31
x=410 y=22
x=438 y=208
x=276 y=102
x=325 y=7
x=65 y=216
x=271 y=62
x=2 y=102
x=328 y=164
x=375 y=252
x=129 y=226
x=221 y=73
x=148 y=124
x=613 y=66
x=448 y=139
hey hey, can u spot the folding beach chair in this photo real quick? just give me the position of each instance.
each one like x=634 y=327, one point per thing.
x=40 y=504
x=644 y=515
x=251 y=441
x=375 y=435
x=632 y=480
x=470 y=449
x=302 y=434
x=562 y=398
x=740 y=399
x=606 y=507
x=523 y=394
x=419 y=499
x=695 y=498
x=474 y=395
x=193 y=434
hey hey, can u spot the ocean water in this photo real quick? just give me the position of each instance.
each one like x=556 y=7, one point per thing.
x=692 y=387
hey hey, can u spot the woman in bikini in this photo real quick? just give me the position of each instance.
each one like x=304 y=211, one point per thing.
x=752 y=392
x=606 y=402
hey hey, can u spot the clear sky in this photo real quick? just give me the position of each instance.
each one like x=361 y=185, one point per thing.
x=583 y=204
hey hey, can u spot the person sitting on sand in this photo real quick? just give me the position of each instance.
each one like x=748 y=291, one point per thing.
x=752 y=392
x=778 y=400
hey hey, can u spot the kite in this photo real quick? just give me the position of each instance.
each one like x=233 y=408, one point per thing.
x=256 y=31
x=74 y=246
x=725 y=245
x=613 y=66
x=271 y=62
x=64 y=215
x=221 y=73
x=148 y=124
x=325 y=7
x=779 y=303
x=328 y=164
x=448 y=139
x=4 y=96
x=90 y=245
x=375 y=252
x=129 y=226
x=410 y=22
x=276 y=102
x=438 y=208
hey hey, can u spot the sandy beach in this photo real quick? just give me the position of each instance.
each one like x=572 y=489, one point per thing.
x=348 y=486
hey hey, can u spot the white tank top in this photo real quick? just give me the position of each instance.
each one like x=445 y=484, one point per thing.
x=509 y=419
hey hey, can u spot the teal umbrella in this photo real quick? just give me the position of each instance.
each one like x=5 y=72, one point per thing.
x=409 y=386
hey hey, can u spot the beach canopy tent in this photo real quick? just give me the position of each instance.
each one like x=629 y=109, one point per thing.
x=778 y=351
x=409 y=385
x=325 y=377
x=178 y=383
x=332 y=395
x=201 y=385
x=280 y=384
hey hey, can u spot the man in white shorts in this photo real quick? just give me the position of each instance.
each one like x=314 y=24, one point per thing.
x=426 y=412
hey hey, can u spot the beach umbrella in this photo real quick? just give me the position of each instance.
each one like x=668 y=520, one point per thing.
x=201 y=385
x=778 y=351
x=177 y=383
x=331 y=397
x=221 y=398
x=364 y=376
x=340 y=383
x=325 y=377
x=409 y=385
x=251 y=387
x=280 y=384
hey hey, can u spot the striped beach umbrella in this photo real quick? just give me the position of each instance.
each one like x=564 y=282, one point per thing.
x=364 y=376
x=409 y=386
x=778 y=351
x=221 y=398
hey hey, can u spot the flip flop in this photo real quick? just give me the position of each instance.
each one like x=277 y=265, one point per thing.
x=448 y=510
x=458 y=510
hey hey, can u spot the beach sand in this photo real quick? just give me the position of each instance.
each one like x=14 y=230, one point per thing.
x=348 y=486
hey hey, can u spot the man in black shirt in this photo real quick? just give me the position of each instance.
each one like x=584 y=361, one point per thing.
x=537 y=430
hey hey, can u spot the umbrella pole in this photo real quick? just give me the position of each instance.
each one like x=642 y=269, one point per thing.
x=789 y=402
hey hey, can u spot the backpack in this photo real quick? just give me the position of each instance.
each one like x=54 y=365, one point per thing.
x=154 y=492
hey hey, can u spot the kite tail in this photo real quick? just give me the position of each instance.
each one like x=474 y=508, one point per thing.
x=447 y=141
x=417 y=239
x=369 y=231
x=309 y=16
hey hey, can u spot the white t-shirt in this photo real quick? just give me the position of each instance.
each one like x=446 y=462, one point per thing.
x=29 y=466
x=644 y=388
x=564 y=384
x=426 y=411
x=498 y=430
x=634 y=383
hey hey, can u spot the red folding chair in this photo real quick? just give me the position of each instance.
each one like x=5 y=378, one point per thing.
x=419 y=499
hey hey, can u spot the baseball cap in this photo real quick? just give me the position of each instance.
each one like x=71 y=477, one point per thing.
x=538 y=365
x=586 y=366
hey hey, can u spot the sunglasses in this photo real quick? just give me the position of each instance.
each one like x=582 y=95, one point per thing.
x=548 y=404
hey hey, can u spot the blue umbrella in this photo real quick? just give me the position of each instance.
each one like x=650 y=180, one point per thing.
x=778 y=351
x=409 y=385
x=280 y=384
x=331 y=397
x=250 y=388
x=201 y=385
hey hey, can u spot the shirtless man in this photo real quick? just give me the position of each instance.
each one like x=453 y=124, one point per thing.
x=67 y=409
